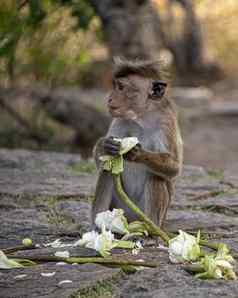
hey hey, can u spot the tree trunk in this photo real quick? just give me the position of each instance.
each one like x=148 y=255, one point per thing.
x=191 y=47
x=124 y=23
x=187 y=48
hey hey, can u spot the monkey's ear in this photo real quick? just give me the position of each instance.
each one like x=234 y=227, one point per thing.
x=158 y=89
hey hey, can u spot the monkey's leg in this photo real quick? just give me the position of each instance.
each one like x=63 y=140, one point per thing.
x=157 y=200
x=103 y=194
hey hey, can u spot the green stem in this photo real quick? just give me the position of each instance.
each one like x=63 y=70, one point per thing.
x=10 y=250
x=154 y=229
x=131 y=236
x=96 y=260
x=195 y=268
x=212 y=245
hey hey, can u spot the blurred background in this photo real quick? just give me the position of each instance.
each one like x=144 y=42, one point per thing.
x=56 y=65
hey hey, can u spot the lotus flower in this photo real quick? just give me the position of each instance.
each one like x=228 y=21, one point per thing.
x=6 y=263
x=218 y=266
x=127 y=144
x=114 y=221
x=114 y=164
x=184 y=247
x=101 y=242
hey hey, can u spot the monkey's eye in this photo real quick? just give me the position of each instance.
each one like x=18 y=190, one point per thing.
x=158 y=89
x=120 y=86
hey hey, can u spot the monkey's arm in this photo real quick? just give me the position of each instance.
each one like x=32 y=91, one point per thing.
x=98 y=151
x=162 y=164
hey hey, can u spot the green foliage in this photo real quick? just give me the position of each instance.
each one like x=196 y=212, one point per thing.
x=36 y=12
x=82 y=10
x=46 y=39
x=10 y=29
x=100 y=290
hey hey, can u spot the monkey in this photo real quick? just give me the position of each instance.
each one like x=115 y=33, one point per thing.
x=140 y=108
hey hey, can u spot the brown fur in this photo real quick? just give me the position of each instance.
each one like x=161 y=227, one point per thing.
x=162 y=166
x=146 y=69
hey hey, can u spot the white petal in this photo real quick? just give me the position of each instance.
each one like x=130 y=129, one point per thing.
x=66 y=281
x=224 y=264
x=20 y=276
x=61 y=263
x=6 y=263
x=62 y=254
x=48 y=274
x=127 y=144
x=135 y=251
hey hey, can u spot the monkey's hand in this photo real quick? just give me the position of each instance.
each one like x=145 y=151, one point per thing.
x=134 y=154
x=111 y=146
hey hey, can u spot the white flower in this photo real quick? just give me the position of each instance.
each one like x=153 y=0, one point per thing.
x=216 y=268
x=88 y=239
x=100 y=242
x=223 y=253
x=114 y=164
x=114 y=221
x=127 y=144
x=223 y=264
x=184 y=247
x=56 y=243
x=6 y=263
x=62 y=254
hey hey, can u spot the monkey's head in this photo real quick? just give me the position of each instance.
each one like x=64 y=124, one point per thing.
x=137 y=86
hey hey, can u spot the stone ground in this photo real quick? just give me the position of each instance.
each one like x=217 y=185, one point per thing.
x=46 y=196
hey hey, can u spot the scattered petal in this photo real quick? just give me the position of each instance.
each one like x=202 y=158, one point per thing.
x=66 y=281
x=135 y=251
x=62 y=254
x=20 y=276
x=61 y=263
x=57 y=244
x=47 y=274
x=162 y=247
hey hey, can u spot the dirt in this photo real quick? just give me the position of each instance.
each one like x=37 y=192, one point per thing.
x=203 y=200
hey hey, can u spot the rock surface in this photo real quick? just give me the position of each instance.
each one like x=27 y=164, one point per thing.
x=46 y=196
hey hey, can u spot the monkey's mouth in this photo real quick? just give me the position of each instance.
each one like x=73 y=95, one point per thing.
x=115 y=111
